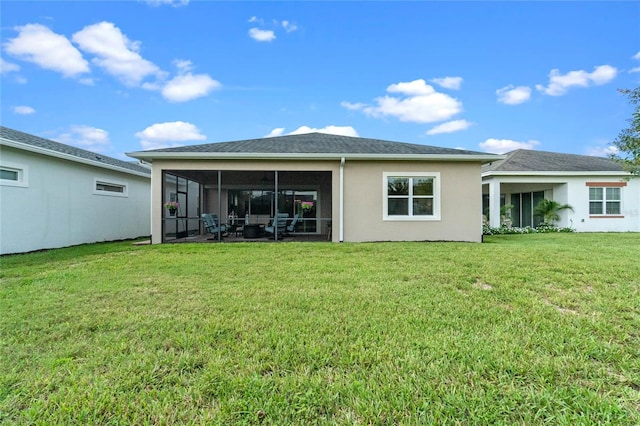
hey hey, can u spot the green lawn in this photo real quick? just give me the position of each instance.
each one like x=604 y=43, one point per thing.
x=523 y=329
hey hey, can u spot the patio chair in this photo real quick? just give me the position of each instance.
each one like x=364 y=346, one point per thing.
x=213 y=226
x=292 y=226
x=278 y=226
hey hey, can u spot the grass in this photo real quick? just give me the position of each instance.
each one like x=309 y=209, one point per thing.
x=532 y=329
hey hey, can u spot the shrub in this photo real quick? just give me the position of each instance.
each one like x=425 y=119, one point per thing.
x=540 y=229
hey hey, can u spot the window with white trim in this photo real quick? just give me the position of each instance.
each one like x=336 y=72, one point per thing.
x=107 y=187
x=13 y=175
x=604 y=200
x=411 y=196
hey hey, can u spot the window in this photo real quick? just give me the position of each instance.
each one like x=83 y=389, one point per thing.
x=105 y=187
x=8 y=174
x=412 y=196
x=13 y=175
x=604 y=201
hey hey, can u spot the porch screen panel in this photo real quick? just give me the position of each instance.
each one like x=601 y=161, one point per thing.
x=193 y=207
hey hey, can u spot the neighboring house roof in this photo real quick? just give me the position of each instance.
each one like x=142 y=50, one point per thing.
x=315 y=146
x=524 y=160
x=26 y=141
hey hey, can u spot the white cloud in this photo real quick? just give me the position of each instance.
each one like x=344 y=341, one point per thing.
x=421 y=104
x=256 y=19
x=559 y=84
x=636 y=69
x=278 y=131
x=23 y=110
x=7 y=67
x=187 y=86
x=115 y=53
x=169 y=134
x=174 y=3
x=289 y=27
x=331 y=130
x=512 y=95
x=603 y=151
x=86 y=137
x=411 y=88
x=453 y=83
x=500 y=146
x=450 y=127
x=38 y=44
x=353 y=106
x=261 y=35
x=183 y=65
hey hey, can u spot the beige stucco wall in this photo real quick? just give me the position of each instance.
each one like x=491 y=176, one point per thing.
x=460 y=197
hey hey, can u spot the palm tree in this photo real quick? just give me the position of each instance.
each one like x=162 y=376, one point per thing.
x=549 y=210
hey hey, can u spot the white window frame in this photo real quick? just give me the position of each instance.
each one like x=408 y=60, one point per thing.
x=403 y=174
x=110 y=182
x=604 y=200
x=20 y=169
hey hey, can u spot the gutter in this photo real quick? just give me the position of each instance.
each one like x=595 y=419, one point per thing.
x=69 y=157
x=555 y=173
x=150 y=156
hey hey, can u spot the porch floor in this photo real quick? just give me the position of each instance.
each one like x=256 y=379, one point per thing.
x=231 y=238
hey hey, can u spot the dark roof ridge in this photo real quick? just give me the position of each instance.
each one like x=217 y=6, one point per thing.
x=61 y=148
x=532 y=160
x=316 y=143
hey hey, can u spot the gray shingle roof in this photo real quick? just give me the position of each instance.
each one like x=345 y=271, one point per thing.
x=316 y=143
x=524 y=160
x=38 y=142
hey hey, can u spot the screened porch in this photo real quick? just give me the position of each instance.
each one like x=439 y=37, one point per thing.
x=239 y=198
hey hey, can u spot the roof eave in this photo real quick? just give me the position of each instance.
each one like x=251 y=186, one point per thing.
x=69 y=157
x=555 y=173
x=150 y=156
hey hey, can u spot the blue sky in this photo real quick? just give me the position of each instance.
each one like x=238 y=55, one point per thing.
x=123 y=76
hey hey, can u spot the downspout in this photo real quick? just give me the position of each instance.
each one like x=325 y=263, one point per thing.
x=219 y=205
x=341 y=215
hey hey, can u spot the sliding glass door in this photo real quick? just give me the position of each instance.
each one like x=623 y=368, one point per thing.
x=523 y=206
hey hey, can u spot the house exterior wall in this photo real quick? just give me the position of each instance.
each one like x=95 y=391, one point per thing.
x=329 y=207
x=363 y=197
x=573 y=190
x=460 y=198
x=58 y=206
x=629 y=220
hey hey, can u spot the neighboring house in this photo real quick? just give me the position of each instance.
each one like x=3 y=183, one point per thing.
x=602 y=200
x=357 y=189
x=56 y=195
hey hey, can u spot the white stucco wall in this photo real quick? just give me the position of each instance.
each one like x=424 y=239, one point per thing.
x=573 y=190
x=578 y=197
x=58 y=207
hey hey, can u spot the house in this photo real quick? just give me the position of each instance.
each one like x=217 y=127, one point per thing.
x=56 y=195
x=602 y=200
x=353 y=189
